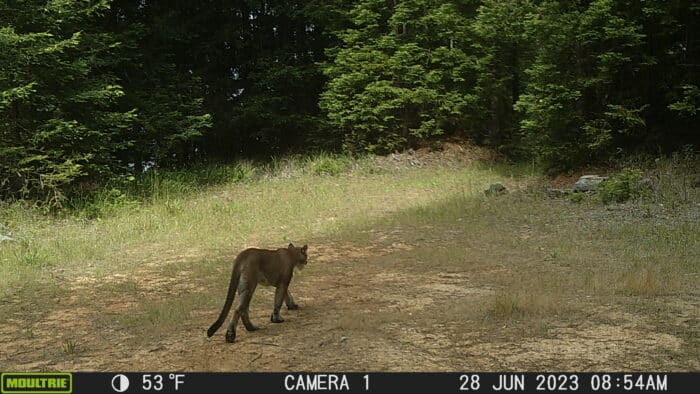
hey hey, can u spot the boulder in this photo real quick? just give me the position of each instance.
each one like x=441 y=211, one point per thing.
x=587 y=183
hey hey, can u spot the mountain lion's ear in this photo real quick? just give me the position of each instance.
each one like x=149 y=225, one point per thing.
x=290 y=245
x=303 y=248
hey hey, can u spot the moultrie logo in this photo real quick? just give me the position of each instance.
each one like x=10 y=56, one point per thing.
x=36 y=383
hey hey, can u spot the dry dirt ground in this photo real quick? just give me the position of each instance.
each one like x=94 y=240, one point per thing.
x=364 y=307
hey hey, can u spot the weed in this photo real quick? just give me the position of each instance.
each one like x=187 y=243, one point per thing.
x=645 y=283
x=70 y=346
x=507 y=305
x=677 y=178
x=577 y=197
x=519 y=305
x=30 y=256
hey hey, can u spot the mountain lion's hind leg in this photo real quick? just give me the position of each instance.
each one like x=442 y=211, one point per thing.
x=290 y=301
x=245 y=293
x=247 y=323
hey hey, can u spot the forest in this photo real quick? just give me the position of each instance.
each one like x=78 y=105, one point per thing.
x=98 y=90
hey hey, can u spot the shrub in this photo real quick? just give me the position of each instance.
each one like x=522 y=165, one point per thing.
x=623 y=186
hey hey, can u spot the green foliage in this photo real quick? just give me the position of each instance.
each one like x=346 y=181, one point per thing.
x=577 y=197
x=65 y=115
x=400 y=75
x=166 y=96
x=504 y=51
x=59 y=121
x=95 y=92
x=256 y=61
x=129 y=193
x=689 y=104
x=578 y=96
x=563 y=82
x=625 y=185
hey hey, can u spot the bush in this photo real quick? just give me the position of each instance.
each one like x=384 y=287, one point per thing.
x=577 y=197
x=623 y=186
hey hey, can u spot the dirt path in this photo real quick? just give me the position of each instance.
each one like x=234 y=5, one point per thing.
x=363 y=307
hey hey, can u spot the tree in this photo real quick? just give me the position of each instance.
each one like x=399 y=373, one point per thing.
x=503 y=52
x=166 y=94
x=669 y=78
x=59 y=118
x=579 y=96
x=401 y=74
x=256 y=61
x=86 y=97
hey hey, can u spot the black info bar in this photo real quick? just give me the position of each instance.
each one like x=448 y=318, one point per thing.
x=355 y=382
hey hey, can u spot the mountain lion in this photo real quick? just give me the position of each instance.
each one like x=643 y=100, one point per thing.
x=266 y=267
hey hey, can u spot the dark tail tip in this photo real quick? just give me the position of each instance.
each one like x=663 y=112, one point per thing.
x=212 y=329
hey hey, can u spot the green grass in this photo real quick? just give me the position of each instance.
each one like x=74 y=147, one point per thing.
x=70 y=346
x=520 y=305
x=206 y=221
x=328 y=164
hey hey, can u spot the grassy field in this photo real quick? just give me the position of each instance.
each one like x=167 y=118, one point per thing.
x=411 y=268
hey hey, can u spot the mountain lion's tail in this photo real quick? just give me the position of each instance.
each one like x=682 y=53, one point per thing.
x=232 y=287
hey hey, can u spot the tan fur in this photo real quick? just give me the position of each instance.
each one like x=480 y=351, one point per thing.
x=259 y=266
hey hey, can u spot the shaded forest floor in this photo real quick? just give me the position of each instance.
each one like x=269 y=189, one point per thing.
x=411 y=268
